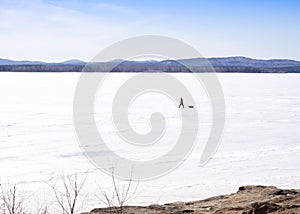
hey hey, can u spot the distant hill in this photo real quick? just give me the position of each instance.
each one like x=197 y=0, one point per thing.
x=257 y=63
x=26 y=62
x=73 y=62
x=229 y=64
x=12 y=62
x=236 y=61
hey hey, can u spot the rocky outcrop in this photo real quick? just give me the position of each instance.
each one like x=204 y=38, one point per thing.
x=247 y=200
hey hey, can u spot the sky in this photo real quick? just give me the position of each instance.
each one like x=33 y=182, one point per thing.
x=58 y=30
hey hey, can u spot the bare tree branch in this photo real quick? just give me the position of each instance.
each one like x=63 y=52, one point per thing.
x=119 y=196
x=12 y=201
x=67 y=192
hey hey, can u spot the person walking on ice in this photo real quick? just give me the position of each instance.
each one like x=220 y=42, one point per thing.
x=181 y=103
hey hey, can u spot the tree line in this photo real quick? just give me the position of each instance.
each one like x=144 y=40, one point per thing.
x=143 y=68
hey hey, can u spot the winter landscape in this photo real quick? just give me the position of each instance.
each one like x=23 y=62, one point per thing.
x=259 y=145
x=149 y=107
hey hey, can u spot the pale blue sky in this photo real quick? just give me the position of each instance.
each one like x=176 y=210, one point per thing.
x=56 y=30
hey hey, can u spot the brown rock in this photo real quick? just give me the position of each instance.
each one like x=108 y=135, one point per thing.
x=247 y=200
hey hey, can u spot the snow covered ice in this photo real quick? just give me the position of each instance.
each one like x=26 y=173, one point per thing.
x=260 y=144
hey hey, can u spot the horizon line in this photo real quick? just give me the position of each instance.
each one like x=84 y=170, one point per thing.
x=210 y=57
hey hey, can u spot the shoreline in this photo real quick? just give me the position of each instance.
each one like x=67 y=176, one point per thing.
x=247 y=200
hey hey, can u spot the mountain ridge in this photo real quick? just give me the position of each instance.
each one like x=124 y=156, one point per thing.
x=219 y=64
x=214 y=61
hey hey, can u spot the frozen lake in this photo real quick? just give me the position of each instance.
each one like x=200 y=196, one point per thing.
x=260 y=145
